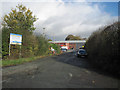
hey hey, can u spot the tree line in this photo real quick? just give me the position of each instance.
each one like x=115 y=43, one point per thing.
x=73 y=37
x=21 y=21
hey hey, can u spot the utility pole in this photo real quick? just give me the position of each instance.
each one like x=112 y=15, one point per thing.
x=54 y=37
x=43 y=31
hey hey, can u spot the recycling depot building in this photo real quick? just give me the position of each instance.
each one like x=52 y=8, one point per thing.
x=73 y=44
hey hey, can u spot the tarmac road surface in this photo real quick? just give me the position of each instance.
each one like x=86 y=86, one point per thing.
x=62 y=71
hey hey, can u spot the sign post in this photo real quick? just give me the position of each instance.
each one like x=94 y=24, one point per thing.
x=15 y=39
x=20 y=52
x=9 y=49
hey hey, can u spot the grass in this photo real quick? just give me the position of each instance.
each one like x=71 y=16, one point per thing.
x=14 y=62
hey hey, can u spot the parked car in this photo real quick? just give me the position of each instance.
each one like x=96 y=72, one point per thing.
x=64 y=48
x=82 y=52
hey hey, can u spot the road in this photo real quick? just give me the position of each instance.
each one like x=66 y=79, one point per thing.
x=62 y=71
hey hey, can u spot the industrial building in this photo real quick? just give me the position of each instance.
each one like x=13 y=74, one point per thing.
x=73 y=44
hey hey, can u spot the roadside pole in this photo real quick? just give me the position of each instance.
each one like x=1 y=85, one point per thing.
x=9 y=49
x=54 y=38
x=20 y=52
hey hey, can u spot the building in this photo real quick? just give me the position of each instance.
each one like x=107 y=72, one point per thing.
x=73 y=44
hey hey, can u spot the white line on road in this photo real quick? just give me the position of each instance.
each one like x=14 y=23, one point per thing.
x=70 y=74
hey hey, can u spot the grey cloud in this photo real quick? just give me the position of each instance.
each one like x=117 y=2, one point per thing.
x=61 y=19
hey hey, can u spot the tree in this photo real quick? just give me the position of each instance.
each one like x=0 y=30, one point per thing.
x=49 y=40
x=42 y=45
x=19 y=21
x=72 y=37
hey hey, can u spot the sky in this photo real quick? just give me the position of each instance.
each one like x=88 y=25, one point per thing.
x=61 y=18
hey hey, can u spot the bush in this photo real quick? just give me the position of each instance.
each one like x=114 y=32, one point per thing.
x=43 y=46
x=28 y=47
x=103 y=48
x=56 y=47
x=0 y=43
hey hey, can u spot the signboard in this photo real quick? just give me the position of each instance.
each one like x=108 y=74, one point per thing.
x=15 y=39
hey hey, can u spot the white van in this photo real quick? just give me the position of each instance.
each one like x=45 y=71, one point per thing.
x=64 y=48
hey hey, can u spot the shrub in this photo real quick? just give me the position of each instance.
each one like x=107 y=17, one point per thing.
x=43 y=46
x=103 y=48
x=56 y=47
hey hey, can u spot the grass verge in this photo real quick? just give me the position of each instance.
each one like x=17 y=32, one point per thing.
x=8 y=62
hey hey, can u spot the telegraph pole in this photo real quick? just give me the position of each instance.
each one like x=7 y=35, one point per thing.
x=43 y=31
x=54 y=37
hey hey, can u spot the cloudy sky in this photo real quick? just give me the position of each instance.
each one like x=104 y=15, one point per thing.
x=61 y=18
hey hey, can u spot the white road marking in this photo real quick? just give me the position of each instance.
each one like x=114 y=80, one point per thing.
x=70 y=74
